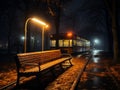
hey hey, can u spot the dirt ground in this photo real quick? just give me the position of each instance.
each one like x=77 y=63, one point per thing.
x=8 y=74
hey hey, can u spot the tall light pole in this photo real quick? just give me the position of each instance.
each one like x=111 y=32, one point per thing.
x=69 y=35
x=43 y=38
x=25 y=34
x=25 y=31
x=95 y=42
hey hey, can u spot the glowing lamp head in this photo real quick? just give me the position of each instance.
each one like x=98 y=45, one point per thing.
x=46 y=26
x=69 y=34
x=22 y=38
x=96 y=41
x=40 y=22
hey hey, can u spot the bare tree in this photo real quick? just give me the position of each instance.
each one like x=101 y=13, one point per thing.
x=112 y=12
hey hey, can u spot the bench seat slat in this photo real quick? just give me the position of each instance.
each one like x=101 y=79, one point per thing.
x=52 y=63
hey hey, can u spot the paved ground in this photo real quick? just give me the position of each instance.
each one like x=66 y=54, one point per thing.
x=97 y=75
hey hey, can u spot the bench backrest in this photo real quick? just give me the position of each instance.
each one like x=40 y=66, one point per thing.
x=49 y=56
x=38 y=57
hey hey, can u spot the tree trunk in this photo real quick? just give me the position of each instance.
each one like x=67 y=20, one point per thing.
x=114 y=31
x=114 y=28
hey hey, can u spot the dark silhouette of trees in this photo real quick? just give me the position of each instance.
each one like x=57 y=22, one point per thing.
x=111 y=7
x=7 y=12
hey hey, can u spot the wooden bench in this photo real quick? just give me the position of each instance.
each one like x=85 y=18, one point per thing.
x=33 y=63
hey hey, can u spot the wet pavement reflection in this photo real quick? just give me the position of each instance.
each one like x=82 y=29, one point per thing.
x=96 y=75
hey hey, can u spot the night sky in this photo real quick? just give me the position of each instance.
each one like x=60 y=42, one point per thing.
x=87 y=18
x=91 y=20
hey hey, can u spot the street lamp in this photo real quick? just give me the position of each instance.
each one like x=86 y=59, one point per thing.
x=69 y=35
x=96 y=41
x=25 y=31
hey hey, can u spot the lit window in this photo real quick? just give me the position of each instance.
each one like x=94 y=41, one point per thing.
x=70 y=43
x=52 y=43
x=60 y=43
x=66 y=43
x=79 y=43
x=74 y=41
x=87 y=43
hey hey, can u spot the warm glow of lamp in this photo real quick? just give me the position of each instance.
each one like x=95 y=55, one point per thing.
x=38 y=21
x=69 y=34
x=46 y=26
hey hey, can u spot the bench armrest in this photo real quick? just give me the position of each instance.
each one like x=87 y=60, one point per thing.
x=66 y=54
x=32 y=64
x=26 y=65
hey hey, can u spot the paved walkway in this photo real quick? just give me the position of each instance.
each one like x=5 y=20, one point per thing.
x=97 y=75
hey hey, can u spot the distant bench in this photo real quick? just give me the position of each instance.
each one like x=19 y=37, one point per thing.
x=33 y=63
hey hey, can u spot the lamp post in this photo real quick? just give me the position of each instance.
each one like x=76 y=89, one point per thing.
x=69 y=35
x=25 y=31
x=96 y=42
x=43 y=38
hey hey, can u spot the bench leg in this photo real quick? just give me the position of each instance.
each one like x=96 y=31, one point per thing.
x=18 y=80
x=38 y=79
x=61 y=67
x=70 y=62
x=53 y=73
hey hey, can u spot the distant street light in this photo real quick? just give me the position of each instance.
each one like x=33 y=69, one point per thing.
x=70 y=35
x=25 y=31
x=22 y=38
x=96 y=41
